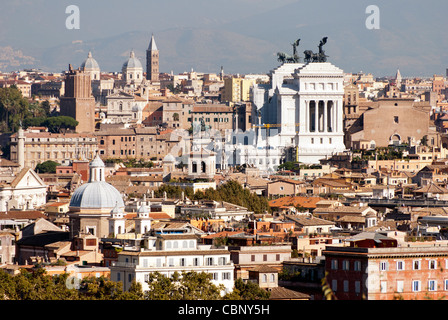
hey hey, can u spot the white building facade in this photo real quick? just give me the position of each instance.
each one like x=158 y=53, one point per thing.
x=25 y=191
x=170 y=253
x=305 y=103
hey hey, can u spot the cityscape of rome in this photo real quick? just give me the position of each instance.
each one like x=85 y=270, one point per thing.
x=307 y=181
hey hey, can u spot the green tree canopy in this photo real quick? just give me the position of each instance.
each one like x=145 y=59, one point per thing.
x=60 y=123
x=38 y=285
x=48 y=166
x=247 y=291
x=14 y=108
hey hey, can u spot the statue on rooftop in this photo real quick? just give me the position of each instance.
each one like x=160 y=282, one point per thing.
x=310 y=56
x=286 y=58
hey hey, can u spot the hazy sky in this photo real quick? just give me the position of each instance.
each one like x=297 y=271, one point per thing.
x=42 y=22
x=412 y=34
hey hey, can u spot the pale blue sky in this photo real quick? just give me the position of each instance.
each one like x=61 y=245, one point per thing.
x=412 y=33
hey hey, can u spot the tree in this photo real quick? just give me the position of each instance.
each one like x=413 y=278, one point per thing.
x=288 y=165
x=231 y=191
x=48 y=166
x=14 y=108
x=183 y=286
x=247 y=291
x=60 y=124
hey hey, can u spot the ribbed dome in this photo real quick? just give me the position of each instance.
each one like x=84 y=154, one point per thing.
x=96 y=195
x=143 y=209
x=132 y=62
x=90 y=64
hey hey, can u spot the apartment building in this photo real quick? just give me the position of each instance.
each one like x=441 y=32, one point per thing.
x=170 y=253
x=246 y=258
x=377 y=269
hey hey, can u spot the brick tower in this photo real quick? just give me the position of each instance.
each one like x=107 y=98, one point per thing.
x=152 y=61
x=78 y=101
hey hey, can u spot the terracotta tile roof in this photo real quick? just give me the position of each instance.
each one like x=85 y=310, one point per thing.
x=8 y=163
x=31 y=215
x=281 y=293
x=309 y=220
x=221 y=234
x=159 y=215
x=305 y=202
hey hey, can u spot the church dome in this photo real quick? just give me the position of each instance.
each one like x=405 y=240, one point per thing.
x=132 y=63
x=96 y=195
x=90 y=64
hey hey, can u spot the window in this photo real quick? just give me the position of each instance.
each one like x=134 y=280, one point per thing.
x=209 y=261
x=416 y=265
x=357 y=286
x=265 y=257
x=118 y=276
x=182 y=262
x=345 y=265
x=226 y=276
x=400 y=265
x=446 y=284
x=265 y=278
x=395 y=119
x=432 y=285
x=384 y=266
x=415 y=285
x=432 y=264
x=334 y=264
x=196 y=262
x=400 y=285
x=252 y=258
x=357 y=265
x=345 y=285
x=334 y=285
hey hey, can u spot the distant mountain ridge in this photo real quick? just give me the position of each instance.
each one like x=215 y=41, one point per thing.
x=411 y=38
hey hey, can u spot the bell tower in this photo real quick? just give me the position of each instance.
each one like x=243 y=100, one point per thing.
x=152 y=61
x=78 y=101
